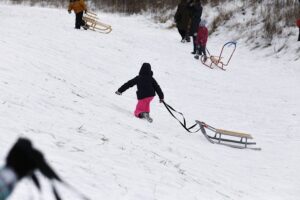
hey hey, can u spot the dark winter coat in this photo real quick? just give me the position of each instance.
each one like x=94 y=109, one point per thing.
x=182 y=16
x=196 y=13
x=146 y=84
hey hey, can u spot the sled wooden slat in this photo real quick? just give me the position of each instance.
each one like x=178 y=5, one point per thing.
x=92 y=16
x=91 y=13
x=94 y=24
x=241 y=143
x=233 y=133
x=215 y=59
x=218 y=60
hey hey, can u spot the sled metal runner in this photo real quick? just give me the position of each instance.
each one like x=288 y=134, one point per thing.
x=93 y=23
x=218 y=60
x=218 y=138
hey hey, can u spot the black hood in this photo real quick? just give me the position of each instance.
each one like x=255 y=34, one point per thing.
x=146 y=70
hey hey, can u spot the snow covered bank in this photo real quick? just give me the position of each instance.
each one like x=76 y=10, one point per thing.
x=57 y=88
x=266 y=26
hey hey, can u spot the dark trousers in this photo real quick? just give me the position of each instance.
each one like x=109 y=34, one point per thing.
x=201 y=50
x=182 y=33
x=299 y=33
x=194 y=43
x=79 y=22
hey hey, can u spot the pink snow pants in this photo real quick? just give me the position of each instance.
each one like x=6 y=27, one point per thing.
x=143 y=105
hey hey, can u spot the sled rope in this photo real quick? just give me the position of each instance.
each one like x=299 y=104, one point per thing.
x=183 y=124
x=217 y=139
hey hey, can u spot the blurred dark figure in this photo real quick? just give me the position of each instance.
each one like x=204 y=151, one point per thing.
x=21 y=162
x=196 y=13
x=182 y=18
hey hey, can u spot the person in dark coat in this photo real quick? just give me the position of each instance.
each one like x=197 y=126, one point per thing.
x=196 y=13
x=146 y=89
x=182 y=18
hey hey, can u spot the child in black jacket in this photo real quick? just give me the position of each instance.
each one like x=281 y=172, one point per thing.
x=146 y=89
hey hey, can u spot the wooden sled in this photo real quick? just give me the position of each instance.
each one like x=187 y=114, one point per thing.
x=218 y=60
x=93 y=23
x=227 y=138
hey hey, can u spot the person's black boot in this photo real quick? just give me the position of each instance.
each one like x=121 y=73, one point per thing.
x=146 y=116
x=188 y=39
x=85 y=27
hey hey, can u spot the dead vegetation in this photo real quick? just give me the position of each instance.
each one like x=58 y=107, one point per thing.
x=275 y=15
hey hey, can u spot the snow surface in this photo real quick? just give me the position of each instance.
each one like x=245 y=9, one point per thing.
x=57 y=88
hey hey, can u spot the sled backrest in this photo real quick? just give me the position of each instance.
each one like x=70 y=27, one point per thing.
x=233 y=133
x=226 y=45
x=94 y=24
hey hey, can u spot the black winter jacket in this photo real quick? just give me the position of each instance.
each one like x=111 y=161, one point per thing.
x=146 y=84
x=196 y=13
x=182 y=16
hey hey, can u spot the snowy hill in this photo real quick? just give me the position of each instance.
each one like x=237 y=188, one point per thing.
x=57 y=88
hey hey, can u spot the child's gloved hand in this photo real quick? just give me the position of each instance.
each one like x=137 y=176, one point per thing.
x=118 y=93
x=69 y=11
x=161 y=100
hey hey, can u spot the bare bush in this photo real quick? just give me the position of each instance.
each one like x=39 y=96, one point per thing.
x=271 y=11
x=222 y=18
x=275 y=16
x=278 y=15
x=54 y=3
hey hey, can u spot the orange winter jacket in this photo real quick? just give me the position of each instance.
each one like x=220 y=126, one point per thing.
x=77 y=6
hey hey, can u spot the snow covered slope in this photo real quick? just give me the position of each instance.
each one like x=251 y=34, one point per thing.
x=57 y=88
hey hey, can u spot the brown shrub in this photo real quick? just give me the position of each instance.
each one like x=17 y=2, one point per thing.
x=220 y=19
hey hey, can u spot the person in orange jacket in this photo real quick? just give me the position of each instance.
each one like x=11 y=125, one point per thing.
x=79 y=7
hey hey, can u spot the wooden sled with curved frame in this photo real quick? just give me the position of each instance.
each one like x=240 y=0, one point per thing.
x=227 y=138
x=218 y=60
x=92 y=21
